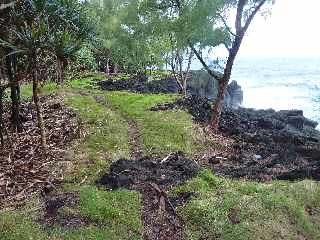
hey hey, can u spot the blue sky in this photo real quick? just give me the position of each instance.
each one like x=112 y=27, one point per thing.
x=292 y=30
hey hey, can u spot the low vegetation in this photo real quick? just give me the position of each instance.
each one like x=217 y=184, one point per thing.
x=231 y=209
x=220 y=208
x=107 y=215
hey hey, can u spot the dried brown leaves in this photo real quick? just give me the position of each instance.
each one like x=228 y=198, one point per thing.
x=24 y=167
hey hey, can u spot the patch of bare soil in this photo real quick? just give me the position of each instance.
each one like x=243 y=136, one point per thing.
x=53 y=203
x=159 y=216
x=152 y=177
x=24 y=167
x=135 y=141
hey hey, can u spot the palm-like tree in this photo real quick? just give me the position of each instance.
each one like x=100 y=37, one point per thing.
x=42 y=26
x=65 y=46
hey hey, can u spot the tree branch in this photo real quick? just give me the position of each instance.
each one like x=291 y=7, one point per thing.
x=252 y=15
x=226 y=46
x=226 y=25
x=211 y=73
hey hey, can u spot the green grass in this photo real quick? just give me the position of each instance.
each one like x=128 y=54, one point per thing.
x=107 y=138
x=26 y=90
x=15 y=226
x=162 y=131
x=85 y=81
x=264 y=211
x=119 y=210
x=113 y=215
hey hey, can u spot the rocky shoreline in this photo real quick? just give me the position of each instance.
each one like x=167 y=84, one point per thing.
x=268 y=144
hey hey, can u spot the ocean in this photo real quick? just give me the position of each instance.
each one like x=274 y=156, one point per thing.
x=280 y=83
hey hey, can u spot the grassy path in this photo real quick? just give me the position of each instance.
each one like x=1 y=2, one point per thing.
x=159 y=220
x=133 y=130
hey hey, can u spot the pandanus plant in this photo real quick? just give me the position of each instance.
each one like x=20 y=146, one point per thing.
x=38 y=30
x=74 y=29
x=65 y=46
x=29 y=35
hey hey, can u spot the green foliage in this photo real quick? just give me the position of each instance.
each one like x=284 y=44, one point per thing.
x=122 y=38
x=233 y=209
x=52 y=31
x=84 y=60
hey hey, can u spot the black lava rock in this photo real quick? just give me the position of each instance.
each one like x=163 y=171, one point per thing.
x=141 y=84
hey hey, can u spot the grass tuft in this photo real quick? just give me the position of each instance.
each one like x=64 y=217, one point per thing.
x=235 y=209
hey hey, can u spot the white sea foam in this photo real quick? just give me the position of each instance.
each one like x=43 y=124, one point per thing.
x=280 y=84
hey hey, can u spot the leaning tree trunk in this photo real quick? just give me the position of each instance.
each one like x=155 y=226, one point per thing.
x=35 y=88
x=179 y=60
x=223 y=83
x=217 y=105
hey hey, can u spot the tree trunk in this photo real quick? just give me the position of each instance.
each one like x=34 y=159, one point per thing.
x=15 y=92
x=61 y=64
x=186 y=74
x=35 y=88
x=58 y=63
x=1 y=116
x=107 y=69
x=179 y=64
x=223 y=83
x=217 y=106
x=185 y=84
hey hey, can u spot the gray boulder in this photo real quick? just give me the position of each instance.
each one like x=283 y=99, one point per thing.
x=234 y=95
x=203 y=85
